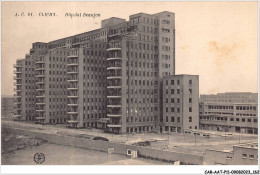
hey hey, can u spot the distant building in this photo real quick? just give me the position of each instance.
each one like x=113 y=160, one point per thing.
x=229 y=117
x=231 y=97
x=180 y=102
x=243 y=154
x=7 y=106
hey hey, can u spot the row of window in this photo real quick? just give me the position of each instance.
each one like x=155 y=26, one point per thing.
x=172 y=119
x=178 y=109
x=153 y=100
x=141 y=119
x=140 y=19
x=230 y=119
x=177 y=92
x=178 y=100
x=226 y=113
x=250 y=156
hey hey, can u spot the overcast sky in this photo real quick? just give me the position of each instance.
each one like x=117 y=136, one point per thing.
x=215 y=40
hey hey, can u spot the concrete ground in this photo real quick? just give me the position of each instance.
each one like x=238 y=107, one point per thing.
x=179 y=142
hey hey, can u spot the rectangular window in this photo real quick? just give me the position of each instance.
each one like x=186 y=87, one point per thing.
x=172 y=82
x=190 y=109
x=190 y=119
x=172 y=119
x=190 y=100
x=244 y=156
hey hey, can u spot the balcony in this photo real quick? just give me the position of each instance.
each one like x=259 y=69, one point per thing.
x=40 y=82
x=40 y=62
x=72 y=72
x=114 y=77
x=17 y=65
x=114 y=126
x=40 y=110
x=114 y=68
x=114 y=106
x=73 y=80
x=72 y=104
x=17 y=71
x=40 y=89
x=114 y=87
x=72 y=64
x=72 y=121
x=114 y=96
x=40 y=76
x=73 y=56
x=72 y=88
x=73 y=96
x=18 y=84
x=39 y=68
x=114 y=58
x=73 y=113
x=40 y=118
x=17 y=115
x=114 y=115
x=113 y=49
x=17 y=78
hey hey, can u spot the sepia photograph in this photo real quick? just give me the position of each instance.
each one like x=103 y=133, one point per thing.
x=165 y=83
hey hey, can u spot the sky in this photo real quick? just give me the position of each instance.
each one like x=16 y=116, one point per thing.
x=215 y=40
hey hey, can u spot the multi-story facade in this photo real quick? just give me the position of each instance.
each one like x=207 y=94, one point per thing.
x=7 y=106
x=231 y=117
x=140 y=52
x=24 y=102
x=114 y=73
x=87 y=84
x=180 y=103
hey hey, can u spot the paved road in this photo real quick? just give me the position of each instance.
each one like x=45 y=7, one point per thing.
x=174 y=141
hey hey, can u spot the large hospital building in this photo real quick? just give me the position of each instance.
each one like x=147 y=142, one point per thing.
x=111 y=77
